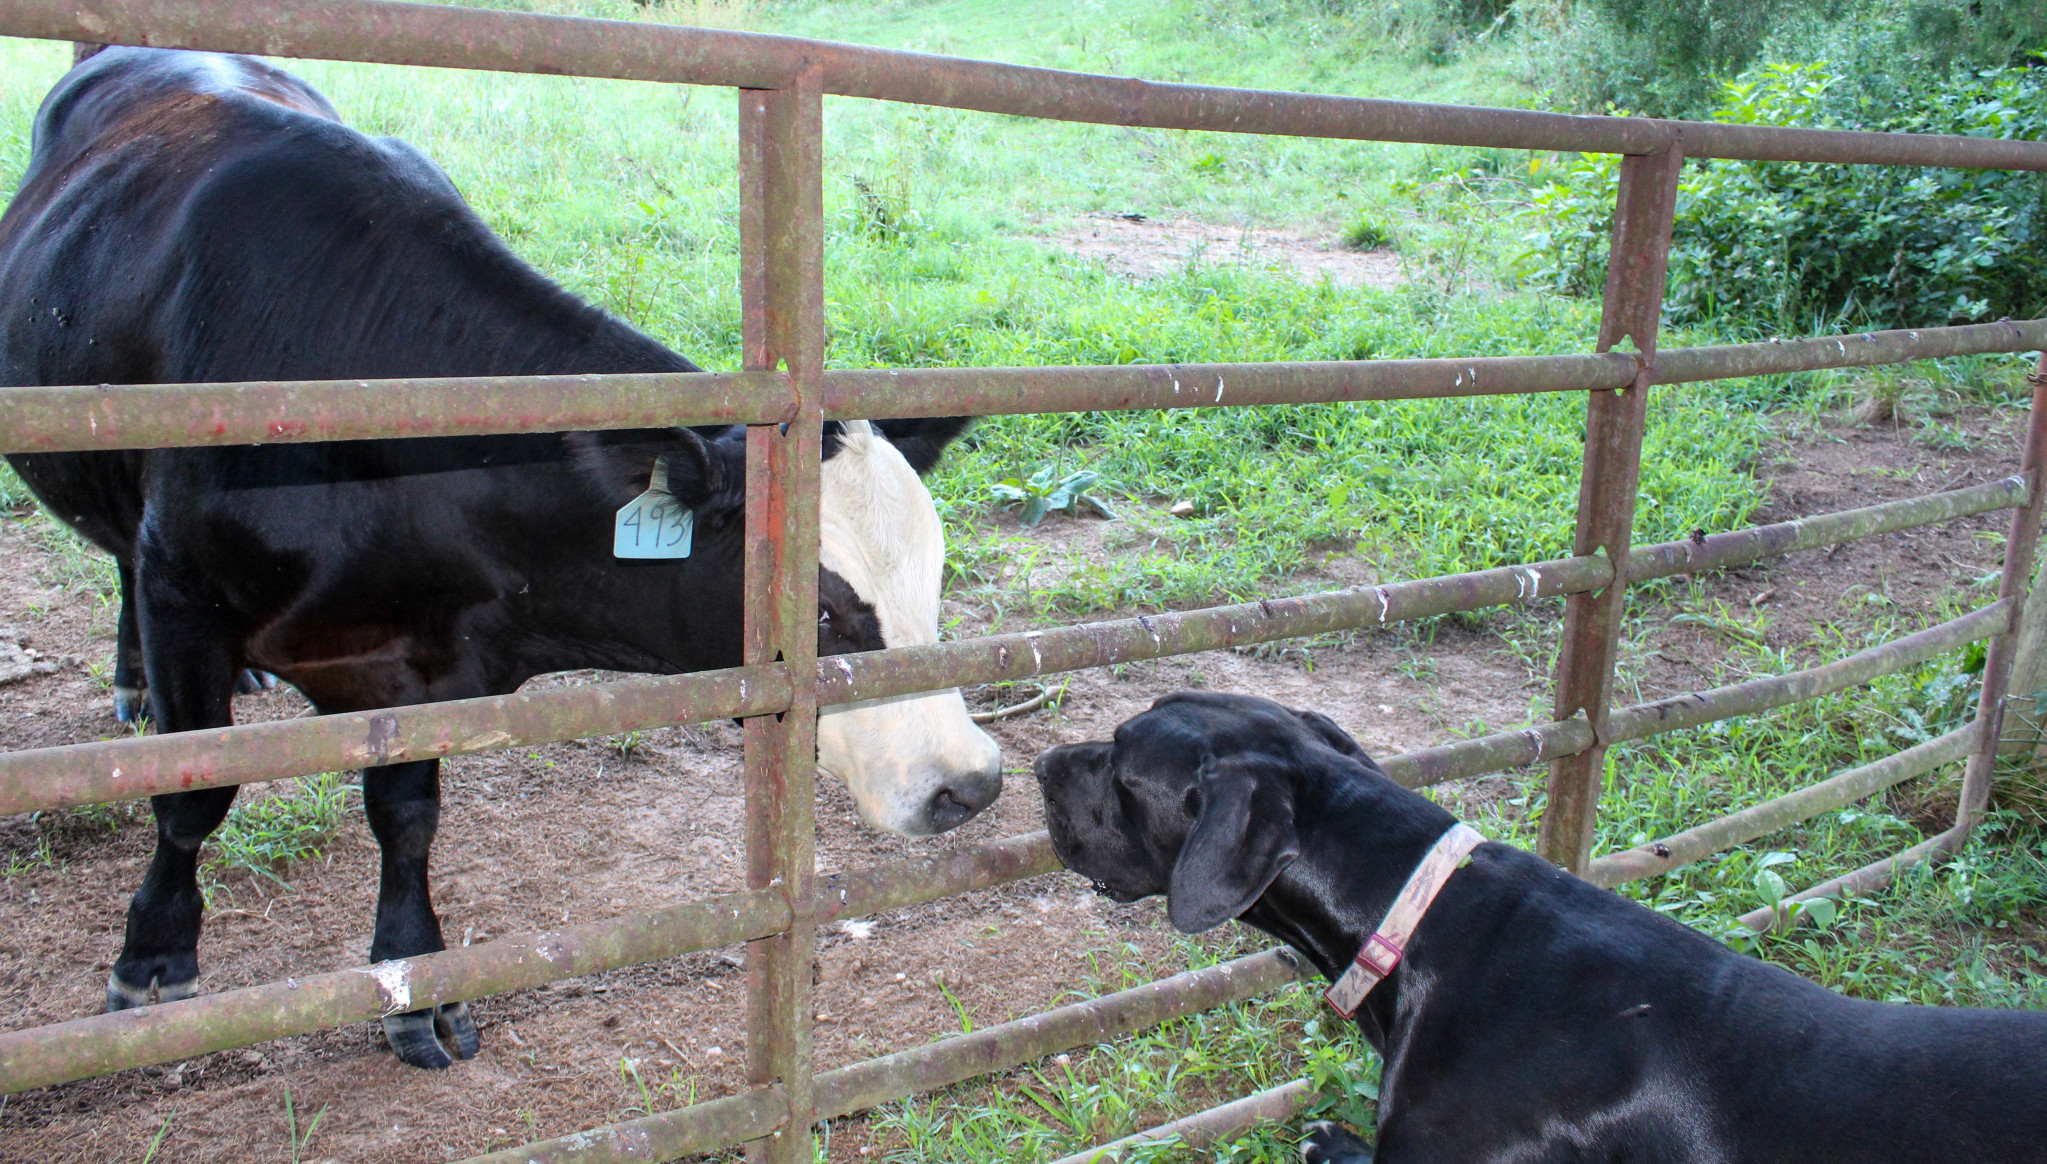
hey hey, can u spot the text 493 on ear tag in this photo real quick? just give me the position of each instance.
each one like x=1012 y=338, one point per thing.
x=653 y=525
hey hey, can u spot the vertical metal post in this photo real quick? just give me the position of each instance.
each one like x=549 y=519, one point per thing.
x=2019 y=548
x=781 y=243
x=1636 y=266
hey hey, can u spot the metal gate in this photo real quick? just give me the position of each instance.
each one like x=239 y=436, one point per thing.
x=784 y=396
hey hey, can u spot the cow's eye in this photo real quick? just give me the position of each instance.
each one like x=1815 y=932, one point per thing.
x=824 y=618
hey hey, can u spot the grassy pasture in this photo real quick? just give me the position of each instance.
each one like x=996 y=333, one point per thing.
x=941 y=251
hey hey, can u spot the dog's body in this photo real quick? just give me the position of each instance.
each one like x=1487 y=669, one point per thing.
x=1534 y=1017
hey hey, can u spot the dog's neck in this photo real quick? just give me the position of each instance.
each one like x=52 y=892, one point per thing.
x=1370 y=836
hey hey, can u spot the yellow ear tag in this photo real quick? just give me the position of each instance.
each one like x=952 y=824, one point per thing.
x=654 y=524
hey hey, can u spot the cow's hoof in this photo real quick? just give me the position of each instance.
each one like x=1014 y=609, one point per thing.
x=123 y=995
x=1325 y=1142
x=412 y=1035
x=250 y=681
x=131 y=704
x=452 y=1022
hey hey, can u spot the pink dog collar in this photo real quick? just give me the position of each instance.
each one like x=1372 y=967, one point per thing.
x=1384 y=949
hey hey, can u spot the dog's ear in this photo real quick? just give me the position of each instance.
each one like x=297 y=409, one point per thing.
x=1331 y=734
x=1243 y=836
x=1338 y=739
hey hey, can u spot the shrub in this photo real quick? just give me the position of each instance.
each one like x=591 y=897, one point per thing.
x=1786 y=247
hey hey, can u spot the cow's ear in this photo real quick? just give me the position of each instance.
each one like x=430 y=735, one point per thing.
x=621 y=463
x=922 y=440
x=707 y=472
x=1243 y=837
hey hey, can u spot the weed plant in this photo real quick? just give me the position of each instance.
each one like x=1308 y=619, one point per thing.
x=263 y=837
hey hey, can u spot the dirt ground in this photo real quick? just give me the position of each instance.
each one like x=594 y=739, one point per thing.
x=576 y=832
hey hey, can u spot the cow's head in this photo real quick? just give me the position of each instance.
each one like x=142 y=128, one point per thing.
x=915 y=763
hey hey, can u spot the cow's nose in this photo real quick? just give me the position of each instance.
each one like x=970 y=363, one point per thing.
x=962 y=799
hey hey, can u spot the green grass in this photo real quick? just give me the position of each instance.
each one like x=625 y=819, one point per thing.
x=263 y=837
x=942 y=249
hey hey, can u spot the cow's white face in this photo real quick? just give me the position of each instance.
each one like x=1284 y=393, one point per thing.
x=915 y=764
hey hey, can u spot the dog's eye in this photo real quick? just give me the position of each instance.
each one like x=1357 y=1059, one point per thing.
x=1193 y=802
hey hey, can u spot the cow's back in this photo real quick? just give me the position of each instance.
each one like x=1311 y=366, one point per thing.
x=193 y=217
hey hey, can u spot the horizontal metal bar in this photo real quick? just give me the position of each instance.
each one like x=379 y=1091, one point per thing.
x=1867 y=879
x=418 y=34
x=1695 y=708
x=1099 y=1020
x=135 y=766
x=1739 y=828
x=994 y=658
x=1492 y=753
x=1862 y=350
x=671 y=1135
x=1717 y=551
x=113 y=416
x=167 y=1032
x=99 y=1044
x=896 y=392
x=139 y=766
x=156 y=416
x=926 y=1068
x=1202 y=1129
x=948 y=874
x=126 y=768
x=117 y=416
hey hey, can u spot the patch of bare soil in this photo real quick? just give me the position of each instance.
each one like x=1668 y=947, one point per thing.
x=1145 y=248
x=544 y=837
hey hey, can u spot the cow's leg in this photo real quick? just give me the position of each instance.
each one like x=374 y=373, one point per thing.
x=160 y=957
x=131 y=694
x=190 y=674
x=403 y=803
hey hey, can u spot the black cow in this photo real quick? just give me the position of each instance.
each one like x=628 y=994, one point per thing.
x=192 y=217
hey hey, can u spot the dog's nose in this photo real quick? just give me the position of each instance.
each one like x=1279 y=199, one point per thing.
x=962 y=799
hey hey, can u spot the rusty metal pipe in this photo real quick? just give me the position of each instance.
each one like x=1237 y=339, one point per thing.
x=906 y=1073
x=81 y=1048
x=846 y=678
x=716 y=1123
x=1867 y=879
x=1099 y=1020
x=153 y=416
x=1865 y=349
x=121 y=769
x=1702 y=707
x=111 y=416
x=891 y=392
x=1716 y=551
x=1491 y=753
x=1739 y=828
x=2020 y=546
x=947 y=874
x=1202 y=1129
x=167 y=1032
x=418 y=34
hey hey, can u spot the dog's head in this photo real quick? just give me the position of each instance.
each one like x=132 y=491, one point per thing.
x=1195 y=799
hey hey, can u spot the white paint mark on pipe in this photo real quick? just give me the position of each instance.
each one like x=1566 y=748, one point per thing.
x=394 y=984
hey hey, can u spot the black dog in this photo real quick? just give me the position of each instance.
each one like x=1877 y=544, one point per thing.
x=1533 y=1017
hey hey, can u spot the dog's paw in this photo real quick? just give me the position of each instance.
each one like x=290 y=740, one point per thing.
x=1324 y=1142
